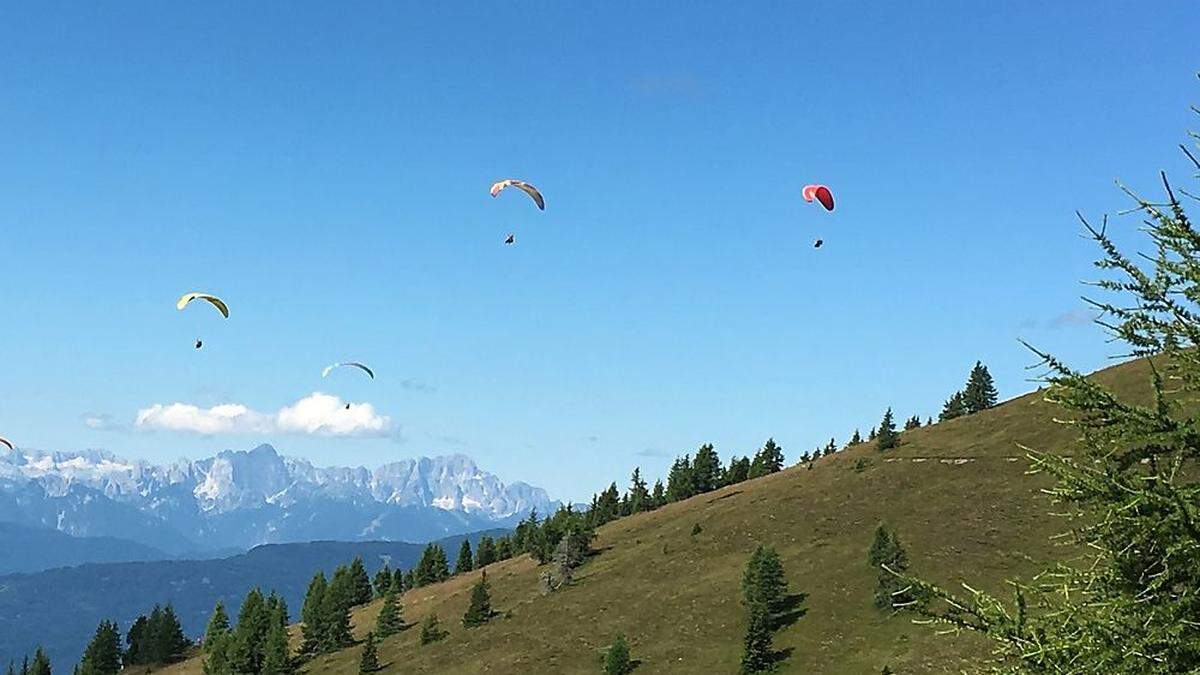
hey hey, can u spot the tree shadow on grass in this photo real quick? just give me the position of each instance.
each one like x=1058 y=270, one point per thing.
x=791 y=611
x=780 y=655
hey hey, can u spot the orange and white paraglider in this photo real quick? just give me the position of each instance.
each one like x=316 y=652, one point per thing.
x=521 y=185
x=819 y=192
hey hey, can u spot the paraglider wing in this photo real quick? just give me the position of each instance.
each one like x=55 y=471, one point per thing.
x=819 y=192
x=817 y=243
x=5 y=441
x=522 y=186
x=352 y=364
x=214 y=300
x=510 y=239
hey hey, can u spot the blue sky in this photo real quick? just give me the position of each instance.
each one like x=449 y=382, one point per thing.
x=325 y=169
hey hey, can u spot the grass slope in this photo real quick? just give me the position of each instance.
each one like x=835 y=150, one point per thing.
x=956 y=491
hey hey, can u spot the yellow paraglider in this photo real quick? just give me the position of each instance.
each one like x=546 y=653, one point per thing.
x=214 y=300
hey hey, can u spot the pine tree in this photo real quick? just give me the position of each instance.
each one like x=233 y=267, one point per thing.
x=806 y=457
x=138 y=642
x=504 y=548
x=398 y=581
x=871 y=436
x=218 y=624
x=479 y=611
x=768 y=460
x=831 y=447
x=659 y=495
x=431 y=630
x=466 y=560
x=249 y=637
x=41 y=663
x=953 y=407
x=335 y=611
x=389 y=621
x=369 y=662
x=856 y=438
x=103 y=654
x=312 y=616
x=679 y=480
x=891 y=559
x=276 y=659
x=1128 y=603
x=757 y=653
x=170 y=644
x=980 y=392
x=763 y=581
x=410 y=579
x=639 y=495
x=383 y=581
x=739 y=470
x=360 y=583
x=887 y=438
x=486 y=553
x=432 y=567
x=616 y=658
x=913 y=422
x=706 y=469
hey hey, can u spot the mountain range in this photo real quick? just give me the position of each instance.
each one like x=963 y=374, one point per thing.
x=239 y=499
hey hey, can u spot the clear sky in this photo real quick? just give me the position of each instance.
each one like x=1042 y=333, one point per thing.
x=325 y=167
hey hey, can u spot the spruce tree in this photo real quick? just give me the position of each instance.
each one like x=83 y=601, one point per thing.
x=170 y=644
x=953 y=407
x=249 y=637
x=218 y=624
x=335 y=612
x=871 y=435
x=763 y=582
x=138 y=641
x=504 y=548
x=466 y=560
x=806 y=457
x=856 y=438
x=41 y=663
x=389 y=621
x=659 y=494
x=479 y=611
x=616 y=658
x=432 y=567
x=767 y=460
x=913 y=422
x=887 y=438
x=360 y=583
x=757 y=652
x=831 y=447
x=706 y=469
x=980 y=392
x=739 y=470
x=398 y=580
x=891 y=559
x=431 y=630
x=486 y=553
x=1130 y=489
x=276 y=658
x=679 y=480
x=639 y=494
x=103 y=654
x=312 y=616
x=383 y=581
x=369 y=661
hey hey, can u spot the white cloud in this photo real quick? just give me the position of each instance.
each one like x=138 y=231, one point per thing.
x=102 y=422
x=315 y=415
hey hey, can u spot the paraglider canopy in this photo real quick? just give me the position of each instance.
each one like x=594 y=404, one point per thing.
x=510 y=239
x=199 y=344
x=350 y=364
x=212 y=299
x=5 y=441
x=820 y=193
x=528 y=189
x=818 y=243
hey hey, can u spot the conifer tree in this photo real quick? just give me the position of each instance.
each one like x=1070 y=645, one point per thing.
x=335 y=612
x=739 y=469
x=369 y=661
x=639 y=495
x=383 y=581
x=431 y=630
x=1130 y=489
x=806 y=457
x=250 y=634
x=616 y=658
x=398 y=580
x=871 y=435
x=479 y=611
x=706 y=469
x=913 y=422
x=679 y=480
x=103 y=654
x=980 y=392
x=276 y=658
x=887 y=438
x=410 y=579
x=466 y=560
x=757 y=651
x=831 y=447
x=856 y=438
x=659 y=494
x=432 y=567
x=504 y=548
x=360 y=583
x=218 y=624
x=170 y=644
x=138 y=641
x=41 y=663
x=953 y=407
x=891 y=559
x=763 y=581
x=486 y=553
x=312 y=616
x=767 y=460
x=389 y=621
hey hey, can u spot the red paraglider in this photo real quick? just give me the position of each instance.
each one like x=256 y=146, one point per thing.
x=821 y=193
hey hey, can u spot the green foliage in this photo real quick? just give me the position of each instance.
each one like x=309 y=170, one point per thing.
x=891 y=560
x=706 y=470
x=679 y=480
x=659 y=494
x=479 y=611
x=156 y=639
x=886 y=437
x=390 y=621
x=432 y=567
x=616 y=658
x=41 y=663
x=638 y=495
x=360 y=583
x=763 y=582
x=757 y=652
x=953 y=407
x=369 y=662
x=250 y=635
x=383 y=581
x=696 y=529
x=769 y=459
x=466 y=560
x=486 y=553
x=276 y=658
x=103 y=654
x=980 y=392
x=398 y=580
x=739 y=470
x=335 y=611
x=913 y=422
x=856 y=438
x=860 y=465
x=504 y=548
x=312 y=615
x=1130 y=492
x=431 y=630
x=218 y=624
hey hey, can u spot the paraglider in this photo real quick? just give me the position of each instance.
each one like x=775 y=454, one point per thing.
x=510 y=239
x=211 y=299
x=522 y=186
x=199 y=344
x=817 y=243
x=350 y=364
x=5 y=441
x=820 y=193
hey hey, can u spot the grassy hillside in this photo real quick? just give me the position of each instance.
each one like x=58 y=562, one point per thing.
x=956 y=492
